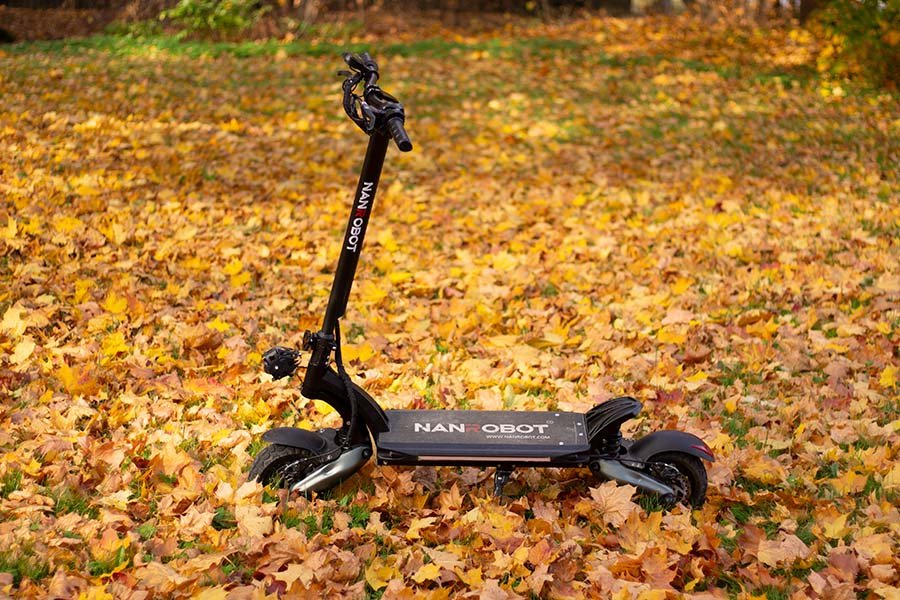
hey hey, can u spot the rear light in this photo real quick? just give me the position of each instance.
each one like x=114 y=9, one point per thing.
x=702 y=447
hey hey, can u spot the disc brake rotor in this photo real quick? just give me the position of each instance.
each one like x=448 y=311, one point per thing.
x=296 y=470
x=673 y=478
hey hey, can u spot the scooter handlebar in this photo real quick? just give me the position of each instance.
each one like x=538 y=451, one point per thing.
x=398 y=132
x=375 y=109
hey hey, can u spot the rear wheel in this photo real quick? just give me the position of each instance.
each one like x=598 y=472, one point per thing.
x=684 y=473
x=281 y=466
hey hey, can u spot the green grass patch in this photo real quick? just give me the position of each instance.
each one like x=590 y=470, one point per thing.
x=223 y=519
x=70 y=500
x=146 y=530
x=147 y=42
x=235 y=566
x=23 y=564
x=359 y=515
x=11 y=482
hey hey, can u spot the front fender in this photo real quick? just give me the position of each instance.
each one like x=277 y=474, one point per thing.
x=296 y=438
x=669 y=441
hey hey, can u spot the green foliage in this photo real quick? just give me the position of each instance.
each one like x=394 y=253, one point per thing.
x=137 y=30
x=863 y=39
x=215 y=17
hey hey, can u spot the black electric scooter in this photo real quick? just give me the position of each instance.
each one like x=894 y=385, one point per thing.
x=666 y=463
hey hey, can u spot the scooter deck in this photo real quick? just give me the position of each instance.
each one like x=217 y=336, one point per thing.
x=474 y=436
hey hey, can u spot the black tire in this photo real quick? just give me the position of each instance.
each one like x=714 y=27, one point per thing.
x=271 y=465
x=691 y=482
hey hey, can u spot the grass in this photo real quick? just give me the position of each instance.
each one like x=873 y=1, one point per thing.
x=223 y=519
x=70 y=500
x=126 y=45
x=24 y=563
x=11 y=482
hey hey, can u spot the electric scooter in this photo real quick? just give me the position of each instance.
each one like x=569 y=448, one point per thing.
x=666 y=463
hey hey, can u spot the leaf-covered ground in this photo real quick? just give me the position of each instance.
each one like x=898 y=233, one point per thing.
x=664 y=209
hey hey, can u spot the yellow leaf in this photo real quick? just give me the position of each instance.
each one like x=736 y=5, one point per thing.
x=22 y=351
x=763 y=329
x=681 y=285
x=361 y=352
x=66 y=224
x=372 y=293
x=241 y=279
x=399 y=276
x=323 y=407
x=9 y=232
x=114 y=344
x=412 y=532
x=471 y=577
x=765 y=470
x=115 y=304
x=95 y=592
x=13 y=321
x=667 y=335
x=82 y=290
x=504 y=261
x=888 y=377
x=84 y=189
x=378 y=575
x=387 y=241
x=698 y=376
x=892 y=479
x=219 y=325
x=234 y=267
x=653 y=595
x=837 y=528
x=216 y=593
x=429 y=572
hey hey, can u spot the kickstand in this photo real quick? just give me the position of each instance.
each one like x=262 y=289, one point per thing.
x=501 y=476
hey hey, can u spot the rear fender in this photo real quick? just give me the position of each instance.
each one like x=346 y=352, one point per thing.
x=669 y=441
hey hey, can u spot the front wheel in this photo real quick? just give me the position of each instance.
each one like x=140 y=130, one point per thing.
x=682 y=472
x=280 y=466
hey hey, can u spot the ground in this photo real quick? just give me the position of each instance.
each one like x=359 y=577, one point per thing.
x=669 y=209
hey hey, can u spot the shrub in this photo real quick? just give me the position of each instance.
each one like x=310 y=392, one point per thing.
x=862 y=39
x=215 y=17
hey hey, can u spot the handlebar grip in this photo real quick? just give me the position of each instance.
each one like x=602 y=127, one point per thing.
x=395 y=126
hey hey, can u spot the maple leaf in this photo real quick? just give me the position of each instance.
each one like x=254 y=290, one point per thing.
x=22 y=351
x=427 y=572
x=888 y=378
x=251 y=522
x=785 y=550
x=613 y=502
x=297 y=572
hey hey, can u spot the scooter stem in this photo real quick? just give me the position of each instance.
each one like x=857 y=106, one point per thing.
x=356 y=231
